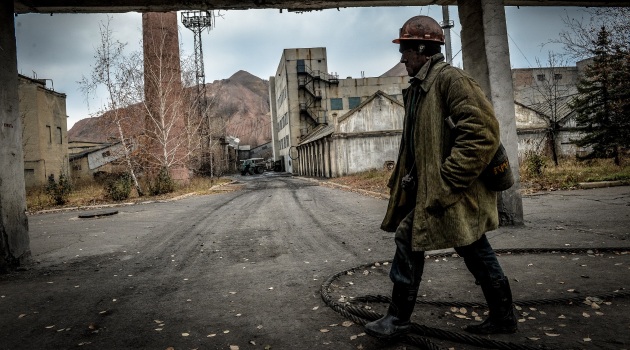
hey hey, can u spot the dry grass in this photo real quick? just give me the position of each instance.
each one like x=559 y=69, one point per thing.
x=371 y=180
x=570 y=172
x=565 y=176
x=91 y=193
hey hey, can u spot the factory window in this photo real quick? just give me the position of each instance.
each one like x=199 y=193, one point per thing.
x=353 y=102
x=557 y=76
x=59 y=135
x=540 y=77
x=336 y=104
x=49 y=133
x=29 y=172
x=301 y=67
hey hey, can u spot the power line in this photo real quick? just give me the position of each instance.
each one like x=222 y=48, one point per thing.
x=519 y=49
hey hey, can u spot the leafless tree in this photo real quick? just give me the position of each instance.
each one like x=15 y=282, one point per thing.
x=112 y=71
x=581 y=33
x=550 y=96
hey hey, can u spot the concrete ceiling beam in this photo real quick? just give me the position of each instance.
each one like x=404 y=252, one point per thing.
x=112 y=6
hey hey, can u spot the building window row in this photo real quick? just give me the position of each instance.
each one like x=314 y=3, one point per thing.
x=283 y=121
x=336 y=104
x=58 y=135
x=282 y=97
x=542 y=77
x=284 y=142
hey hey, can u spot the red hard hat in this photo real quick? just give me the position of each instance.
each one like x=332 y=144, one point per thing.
x=421 y=28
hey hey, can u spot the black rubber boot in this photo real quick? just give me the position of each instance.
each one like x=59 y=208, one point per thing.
x=501 y=319
x=396 y=322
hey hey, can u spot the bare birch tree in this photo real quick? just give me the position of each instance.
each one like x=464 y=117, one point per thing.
x=112 y=71
x=172 y=124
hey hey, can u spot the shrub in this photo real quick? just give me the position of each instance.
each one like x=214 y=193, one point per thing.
x=119 y=188
x=58 y=191
x=535 y=164
x=162 y=184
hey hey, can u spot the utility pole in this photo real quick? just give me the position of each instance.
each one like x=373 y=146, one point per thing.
x=447 y=24
x=197 y=22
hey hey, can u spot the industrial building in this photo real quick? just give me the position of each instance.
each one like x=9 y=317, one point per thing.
x=45 y=136
x=305 y=98
x=327 y=127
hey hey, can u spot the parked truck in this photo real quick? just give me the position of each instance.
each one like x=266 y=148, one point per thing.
x=253 y=166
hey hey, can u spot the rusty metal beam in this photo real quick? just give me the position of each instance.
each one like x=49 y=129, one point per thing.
x=112 y=6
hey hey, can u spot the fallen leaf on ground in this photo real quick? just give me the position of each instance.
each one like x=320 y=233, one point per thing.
x=552 y=334
x=211 y=335
x=587 y=339
x=324 y=330
x=234 y=347
x=347 y=323
x=185 y=334
x=315 y=308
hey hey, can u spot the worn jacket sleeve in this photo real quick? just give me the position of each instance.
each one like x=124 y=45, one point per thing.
x=476 y=133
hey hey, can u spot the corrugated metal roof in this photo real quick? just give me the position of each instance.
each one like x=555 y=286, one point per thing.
x=319 y=132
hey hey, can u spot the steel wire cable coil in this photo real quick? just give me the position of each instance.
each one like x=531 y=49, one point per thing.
x=419 y=333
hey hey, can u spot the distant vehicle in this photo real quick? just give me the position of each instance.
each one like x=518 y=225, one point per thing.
x=253 y=166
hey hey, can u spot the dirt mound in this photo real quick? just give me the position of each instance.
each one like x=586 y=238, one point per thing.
x=242 y=100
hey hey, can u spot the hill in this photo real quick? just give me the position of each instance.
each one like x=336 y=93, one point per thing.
x=242 y=100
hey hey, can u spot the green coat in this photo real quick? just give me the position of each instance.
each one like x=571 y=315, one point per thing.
x=452 y=207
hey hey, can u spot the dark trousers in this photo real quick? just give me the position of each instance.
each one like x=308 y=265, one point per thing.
x=408 y=265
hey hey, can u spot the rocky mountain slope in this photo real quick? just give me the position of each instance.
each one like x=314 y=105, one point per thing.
x=242 y=100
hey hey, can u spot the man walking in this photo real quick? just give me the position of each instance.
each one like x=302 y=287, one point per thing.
x=437 y=199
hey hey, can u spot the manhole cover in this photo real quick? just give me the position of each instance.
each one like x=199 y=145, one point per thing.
x=97 y=214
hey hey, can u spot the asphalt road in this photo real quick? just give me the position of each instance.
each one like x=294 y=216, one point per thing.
x=203 y=272
x=243 y=269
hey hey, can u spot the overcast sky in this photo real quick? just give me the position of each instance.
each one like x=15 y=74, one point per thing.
x=61 y=47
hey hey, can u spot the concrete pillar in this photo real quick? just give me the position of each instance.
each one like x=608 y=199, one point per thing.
x=326 y=157
x=486 y=56
x=311 y=162
x=14 y=239
x=334 y=172
x=302 y=157
x=318 y=157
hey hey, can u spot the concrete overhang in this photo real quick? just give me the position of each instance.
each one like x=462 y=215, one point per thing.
x=112 y=6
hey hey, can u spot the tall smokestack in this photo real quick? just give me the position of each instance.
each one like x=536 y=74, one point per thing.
x=163 y=95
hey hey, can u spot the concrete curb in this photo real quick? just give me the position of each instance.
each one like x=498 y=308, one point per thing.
x=602 y=184
x=358 y=190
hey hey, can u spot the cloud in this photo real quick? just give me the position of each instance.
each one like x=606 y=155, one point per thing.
x=61 y=47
